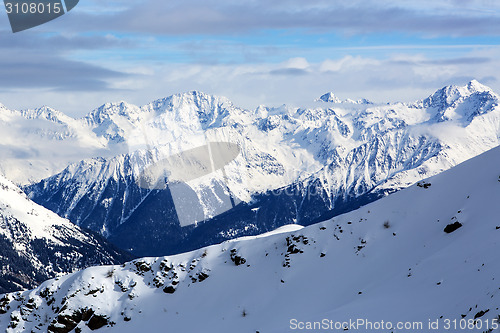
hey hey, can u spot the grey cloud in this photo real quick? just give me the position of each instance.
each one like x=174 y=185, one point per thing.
x=459 y=61
x=33 y=59
x=216 y=17
x=40 y=41
x=449 y=61
x=53 y=72
x=289 y=71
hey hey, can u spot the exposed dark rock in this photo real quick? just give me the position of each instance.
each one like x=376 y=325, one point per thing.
x=481 y=313
x=202 y=276
x=67 y=322
x=238 y=260
x=142 y=267
x=169 y=290
x=97 y=321
x=452 y=227
x=423 y=184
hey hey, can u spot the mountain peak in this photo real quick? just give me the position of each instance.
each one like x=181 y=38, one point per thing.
x=329 y=98
x=105 y=111
x=475 y=85
x=450 y=94
x=44 y=112
x=198 y=98
x=193 y=105
x=461 y=102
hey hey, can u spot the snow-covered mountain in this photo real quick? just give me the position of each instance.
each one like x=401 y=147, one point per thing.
x=36 y=244
x=41 y=142
x=297 y=165
x=331 y=98
x=455 y=103
x=425 y=255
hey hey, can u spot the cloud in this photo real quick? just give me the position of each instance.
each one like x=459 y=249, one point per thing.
x=297 y=63
x=58 y=42
x=249 y=85
x=36 y=60
x=289 y=71
x=449 y=61
x=251 y=51
x=194 y=17
x=347 y=63
x=292 y=67
x=42 y=71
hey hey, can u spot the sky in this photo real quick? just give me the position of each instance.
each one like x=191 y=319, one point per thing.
x=253 y=52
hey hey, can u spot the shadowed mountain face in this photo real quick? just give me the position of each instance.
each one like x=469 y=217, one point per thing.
x=297 y=165
x=36 y=244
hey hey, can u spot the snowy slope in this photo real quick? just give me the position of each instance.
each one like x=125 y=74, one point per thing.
x=390 y=260
x=37 y=244
x=327 y=157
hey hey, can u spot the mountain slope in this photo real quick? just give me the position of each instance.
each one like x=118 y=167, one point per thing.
x=428 y=252
x=38 y=143
x=297 y=165
x=36 y=244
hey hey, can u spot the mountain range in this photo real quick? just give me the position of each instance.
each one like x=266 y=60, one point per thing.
x=423 y=259
x=296 y=166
